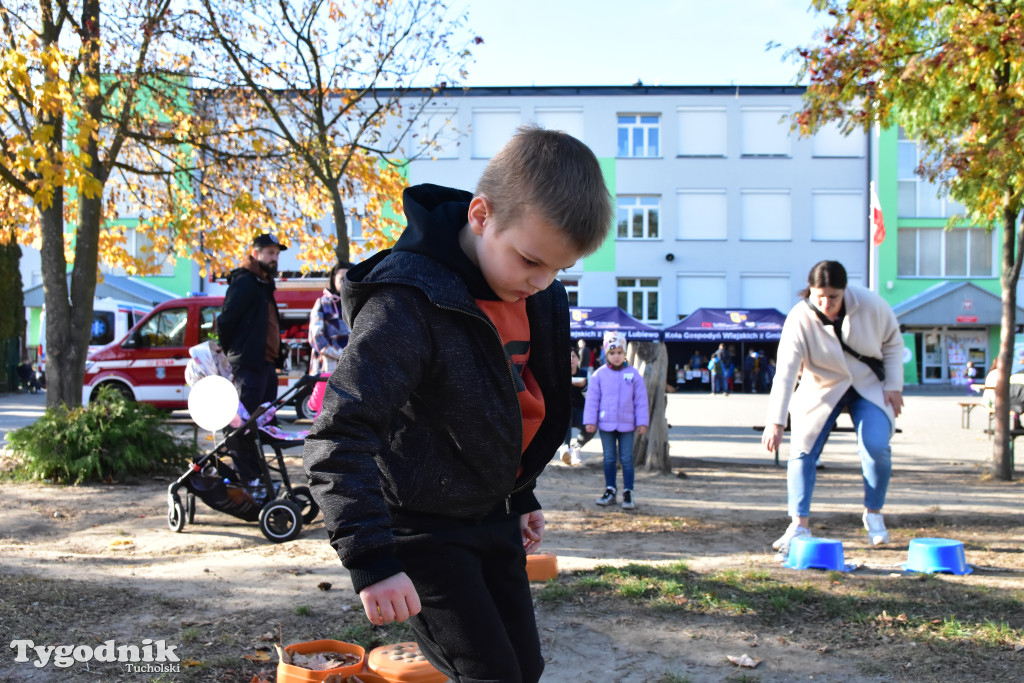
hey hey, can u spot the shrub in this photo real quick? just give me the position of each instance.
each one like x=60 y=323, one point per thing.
x=111 y=437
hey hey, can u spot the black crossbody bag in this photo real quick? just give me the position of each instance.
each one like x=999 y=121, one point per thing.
x=875 y=364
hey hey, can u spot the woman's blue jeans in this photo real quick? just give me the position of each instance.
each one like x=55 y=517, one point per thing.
x=618 y=446
x=873 y=431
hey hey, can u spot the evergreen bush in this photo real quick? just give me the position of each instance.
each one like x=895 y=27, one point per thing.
x=112 y=437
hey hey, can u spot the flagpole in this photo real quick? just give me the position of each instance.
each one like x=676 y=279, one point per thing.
x=872 y=249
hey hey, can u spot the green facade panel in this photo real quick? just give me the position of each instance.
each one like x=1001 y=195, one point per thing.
x=603 y=260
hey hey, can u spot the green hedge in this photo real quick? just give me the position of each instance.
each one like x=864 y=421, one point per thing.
x=111 y=438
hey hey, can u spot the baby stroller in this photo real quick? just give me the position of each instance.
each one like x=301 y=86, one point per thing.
x=236 y=477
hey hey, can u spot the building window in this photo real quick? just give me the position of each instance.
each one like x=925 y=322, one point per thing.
x=766 y=215
x=829 y=141
x=492 y=128
x=702 y=131
x=699 y=290
x=918 y=197
x=139 y=246
x=437 y=135
x=838 y=216
x=702 y=215
x=639 y=298
x=566 y=119
x=639 y=135
x=766 y=290
x=935 y=252
x=572 y=289
x=765 y=132
x=638 y=218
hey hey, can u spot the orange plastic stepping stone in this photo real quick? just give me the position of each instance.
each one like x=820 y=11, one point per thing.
x=403 y=663
x=542 y=566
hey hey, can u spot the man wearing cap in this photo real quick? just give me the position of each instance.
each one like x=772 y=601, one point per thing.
x=249 y=325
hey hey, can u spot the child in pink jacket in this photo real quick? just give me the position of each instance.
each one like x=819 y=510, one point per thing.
x=617 y=406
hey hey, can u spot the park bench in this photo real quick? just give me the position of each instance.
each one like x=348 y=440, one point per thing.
x=965 y=415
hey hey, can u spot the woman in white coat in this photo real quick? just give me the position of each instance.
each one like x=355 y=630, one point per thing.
x=849 y=345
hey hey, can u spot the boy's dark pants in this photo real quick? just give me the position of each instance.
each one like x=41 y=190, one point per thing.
x=477 y=623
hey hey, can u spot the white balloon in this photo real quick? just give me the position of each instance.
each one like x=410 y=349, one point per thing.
x=212 y=402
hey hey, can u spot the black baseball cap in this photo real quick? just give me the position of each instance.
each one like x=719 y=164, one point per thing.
x=267 y=240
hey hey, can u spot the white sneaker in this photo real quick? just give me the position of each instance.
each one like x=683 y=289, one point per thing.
x=565 y=454
x=875 y=525
x=782 y=543
x=574 y=456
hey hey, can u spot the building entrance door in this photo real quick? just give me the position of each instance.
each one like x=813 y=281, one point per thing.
x=933 y=364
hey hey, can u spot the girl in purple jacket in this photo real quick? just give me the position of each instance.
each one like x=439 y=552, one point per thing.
x=617 y=405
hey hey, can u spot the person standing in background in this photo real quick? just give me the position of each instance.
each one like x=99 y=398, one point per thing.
x=249 y=325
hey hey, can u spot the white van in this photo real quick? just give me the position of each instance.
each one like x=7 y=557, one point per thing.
x=111 y=320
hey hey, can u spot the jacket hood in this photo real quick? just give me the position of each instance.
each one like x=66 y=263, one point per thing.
x=435 y=217
x=251 y=266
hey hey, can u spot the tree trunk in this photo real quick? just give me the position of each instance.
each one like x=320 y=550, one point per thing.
x=340 y=225
x=651 y=361
x=69 y=313
x=1001 y=447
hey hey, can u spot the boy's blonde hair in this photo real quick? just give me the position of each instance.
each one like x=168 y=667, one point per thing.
x=554 y=174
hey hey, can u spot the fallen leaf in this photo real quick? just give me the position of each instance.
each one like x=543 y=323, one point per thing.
x=268 y=637
x=258 y=656
x=680 y=599
x=324 y=585
x=121 y=542
x=191 y=662
x=746 y=661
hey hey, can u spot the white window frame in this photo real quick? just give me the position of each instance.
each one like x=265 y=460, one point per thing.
x=707 y=285
x=948 y=206
x=131 y=246
x=763 y=134
x=572 y=287
x=829 y=142
x=785 y=278
x=490 y=124
x=904 y=233
x=566 y=119
x=638 y=126
x=748 y=217
x=646 y=206
x=850 y=214
x=646 y=287
x=702 y=132
x=440 y=125
x=718 y=202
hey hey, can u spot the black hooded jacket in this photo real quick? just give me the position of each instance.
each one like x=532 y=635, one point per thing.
x=421 y=419
x=242 y=323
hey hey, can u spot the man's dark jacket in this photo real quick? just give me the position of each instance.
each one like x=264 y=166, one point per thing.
x=421 y=418
x=242 y=323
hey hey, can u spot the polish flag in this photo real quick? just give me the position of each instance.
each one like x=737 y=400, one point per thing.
x=877 y=223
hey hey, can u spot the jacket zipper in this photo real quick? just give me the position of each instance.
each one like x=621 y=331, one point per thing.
x=519 y=407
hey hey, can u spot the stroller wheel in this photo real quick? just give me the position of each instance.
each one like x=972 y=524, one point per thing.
x=280 y=520
x=175 y=514
x=302 y=497
x=190 y=507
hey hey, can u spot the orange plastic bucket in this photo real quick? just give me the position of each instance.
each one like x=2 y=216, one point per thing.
x=289 y=673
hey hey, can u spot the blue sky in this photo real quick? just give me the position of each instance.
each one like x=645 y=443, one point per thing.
x=661 y=42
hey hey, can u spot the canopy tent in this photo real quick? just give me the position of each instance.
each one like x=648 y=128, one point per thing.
x=592 y=323
x=728 y=324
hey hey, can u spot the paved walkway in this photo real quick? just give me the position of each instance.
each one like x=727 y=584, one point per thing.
x=719 y=428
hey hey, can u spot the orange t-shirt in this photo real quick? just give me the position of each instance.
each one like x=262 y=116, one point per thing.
x=514 y=330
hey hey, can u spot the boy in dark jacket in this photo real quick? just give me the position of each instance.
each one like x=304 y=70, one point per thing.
x=451 y=397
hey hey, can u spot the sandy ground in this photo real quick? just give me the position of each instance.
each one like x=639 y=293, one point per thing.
x=728 y=494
